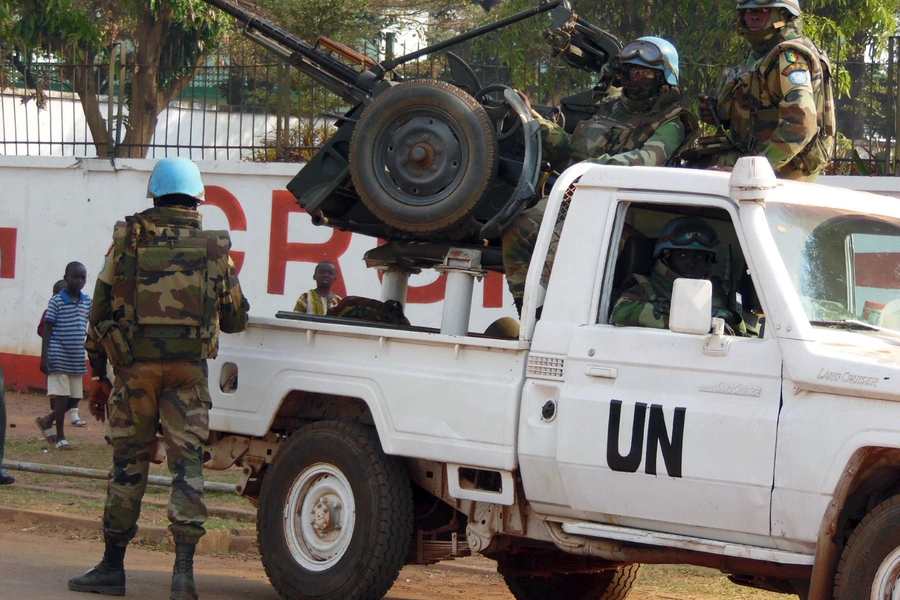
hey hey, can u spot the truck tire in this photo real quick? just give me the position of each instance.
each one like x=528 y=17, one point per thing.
x=606 y=585
x=870 y=561
x=423 y=155
x=335 y=515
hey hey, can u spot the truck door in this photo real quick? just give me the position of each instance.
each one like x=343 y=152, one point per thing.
x=658 y=429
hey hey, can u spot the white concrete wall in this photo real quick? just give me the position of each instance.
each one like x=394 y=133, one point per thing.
x=56 y=210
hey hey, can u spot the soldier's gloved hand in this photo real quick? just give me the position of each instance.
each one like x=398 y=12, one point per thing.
x=706 y=107
x=100 y=391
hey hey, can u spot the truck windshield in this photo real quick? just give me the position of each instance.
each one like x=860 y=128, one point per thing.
x=845 y=266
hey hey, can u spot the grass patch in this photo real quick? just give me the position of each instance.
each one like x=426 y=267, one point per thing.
x=682 y=581
x=95 y=456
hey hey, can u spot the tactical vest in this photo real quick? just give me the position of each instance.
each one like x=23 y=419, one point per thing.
x=164 y=294
x=613 y=129
x=819 y=151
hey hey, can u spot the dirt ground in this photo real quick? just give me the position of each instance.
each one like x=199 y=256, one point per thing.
x=473 y=578
x=22 y=409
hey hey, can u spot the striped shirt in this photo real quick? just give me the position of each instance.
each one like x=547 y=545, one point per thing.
x=70 y=320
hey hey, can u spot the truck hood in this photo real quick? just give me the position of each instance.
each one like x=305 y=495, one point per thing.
x=849 y=363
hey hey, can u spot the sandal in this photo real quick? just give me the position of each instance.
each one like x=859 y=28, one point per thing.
x=63 y=445
x=47 y=433
x=79 y=423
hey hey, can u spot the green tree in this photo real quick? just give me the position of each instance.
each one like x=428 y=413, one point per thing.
x=851 y=31
x=166 y=42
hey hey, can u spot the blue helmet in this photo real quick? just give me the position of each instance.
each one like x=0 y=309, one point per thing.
x=176 y=176
x=687 y=233
x=793 y=6
x=655 y=53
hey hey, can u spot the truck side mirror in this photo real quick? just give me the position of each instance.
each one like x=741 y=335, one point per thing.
x=691 y=306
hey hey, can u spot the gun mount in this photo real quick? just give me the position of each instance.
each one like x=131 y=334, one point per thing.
x=422 y=160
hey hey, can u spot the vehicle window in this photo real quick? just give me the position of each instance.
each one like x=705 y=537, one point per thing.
x=845 y=267
x=651 y=240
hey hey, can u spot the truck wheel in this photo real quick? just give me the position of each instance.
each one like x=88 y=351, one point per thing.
x=335 y=515
x=606 y=585
x=423 y=155
x=870 y=562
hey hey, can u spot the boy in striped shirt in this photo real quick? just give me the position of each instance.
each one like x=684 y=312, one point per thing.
x=63 y=358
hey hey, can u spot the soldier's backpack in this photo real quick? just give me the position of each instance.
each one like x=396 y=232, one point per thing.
x=163 y=295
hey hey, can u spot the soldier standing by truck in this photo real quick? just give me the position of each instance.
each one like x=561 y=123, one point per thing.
x=645 y=124
x=165 y=291
x=779 y=104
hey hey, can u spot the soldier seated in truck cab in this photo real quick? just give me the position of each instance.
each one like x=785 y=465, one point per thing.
x=687 y=247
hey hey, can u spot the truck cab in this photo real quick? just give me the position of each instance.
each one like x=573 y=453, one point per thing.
x=730 y=445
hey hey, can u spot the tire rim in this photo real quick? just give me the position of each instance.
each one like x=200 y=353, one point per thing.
x=422 y=159
x=319 y=517
x=887 y=579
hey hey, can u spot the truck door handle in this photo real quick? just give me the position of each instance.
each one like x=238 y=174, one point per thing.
x=598 y=371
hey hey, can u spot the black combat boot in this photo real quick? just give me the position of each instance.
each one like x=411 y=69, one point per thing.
x=183 y=573
x=518 y=303
x=106 y=578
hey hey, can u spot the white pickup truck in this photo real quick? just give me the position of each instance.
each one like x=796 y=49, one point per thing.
x=577 y=450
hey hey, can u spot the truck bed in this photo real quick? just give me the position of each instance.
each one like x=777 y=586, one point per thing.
x=432 y=396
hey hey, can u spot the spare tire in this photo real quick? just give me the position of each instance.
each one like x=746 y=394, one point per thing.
x=422 y=156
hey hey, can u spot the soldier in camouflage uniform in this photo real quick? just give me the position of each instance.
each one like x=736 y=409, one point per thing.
x=643 y=124
x=780 y=103
x=165 y=291
x=685 y=248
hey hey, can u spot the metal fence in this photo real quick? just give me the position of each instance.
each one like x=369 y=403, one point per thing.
x=254 y=107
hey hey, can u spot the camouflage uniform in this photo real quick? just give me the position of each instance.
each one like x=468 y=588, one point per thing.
x=167 y=288
x=646 y=301
x=622 y=132
x=779 y=105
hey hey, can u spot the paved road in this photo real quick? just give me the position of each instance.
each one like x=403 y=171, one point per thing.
x=36 y=563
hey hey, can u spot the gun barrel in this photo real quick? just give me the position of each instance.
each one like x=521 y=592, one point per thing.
x=351 y=85
x=521 y=16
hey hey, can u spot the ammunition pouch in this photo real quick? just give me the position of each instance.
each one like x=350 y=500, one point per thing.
x=114 y=342
x=815 y=156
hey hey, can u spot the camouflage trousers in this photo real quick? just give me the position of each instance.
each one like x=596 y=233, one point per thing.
x=519 y=241
x=172 y=395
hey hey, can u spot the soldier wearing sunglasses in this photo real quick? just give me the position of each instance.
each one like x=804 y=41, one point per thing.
x=779 y=104
x=643 y=124
x=687 y=247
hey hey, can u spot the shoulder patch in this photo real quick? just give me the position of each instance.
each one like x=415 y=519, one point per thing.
x=799 y=77
x=790 y=56
x=794 y=67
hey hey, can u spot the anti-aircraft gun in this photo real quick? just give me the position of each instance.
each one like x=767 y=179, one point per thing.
x=422 y=160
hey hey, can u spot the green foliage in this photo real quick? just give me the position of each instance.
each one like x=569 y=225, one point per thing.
x=303 y=140
x=704 y=31
x=173 y=35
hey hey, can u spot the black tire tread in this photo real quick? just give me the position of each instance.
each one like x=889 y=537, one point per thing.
x=391 y=543
x=617 y=587
x=888 y=510
x=357 y=168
